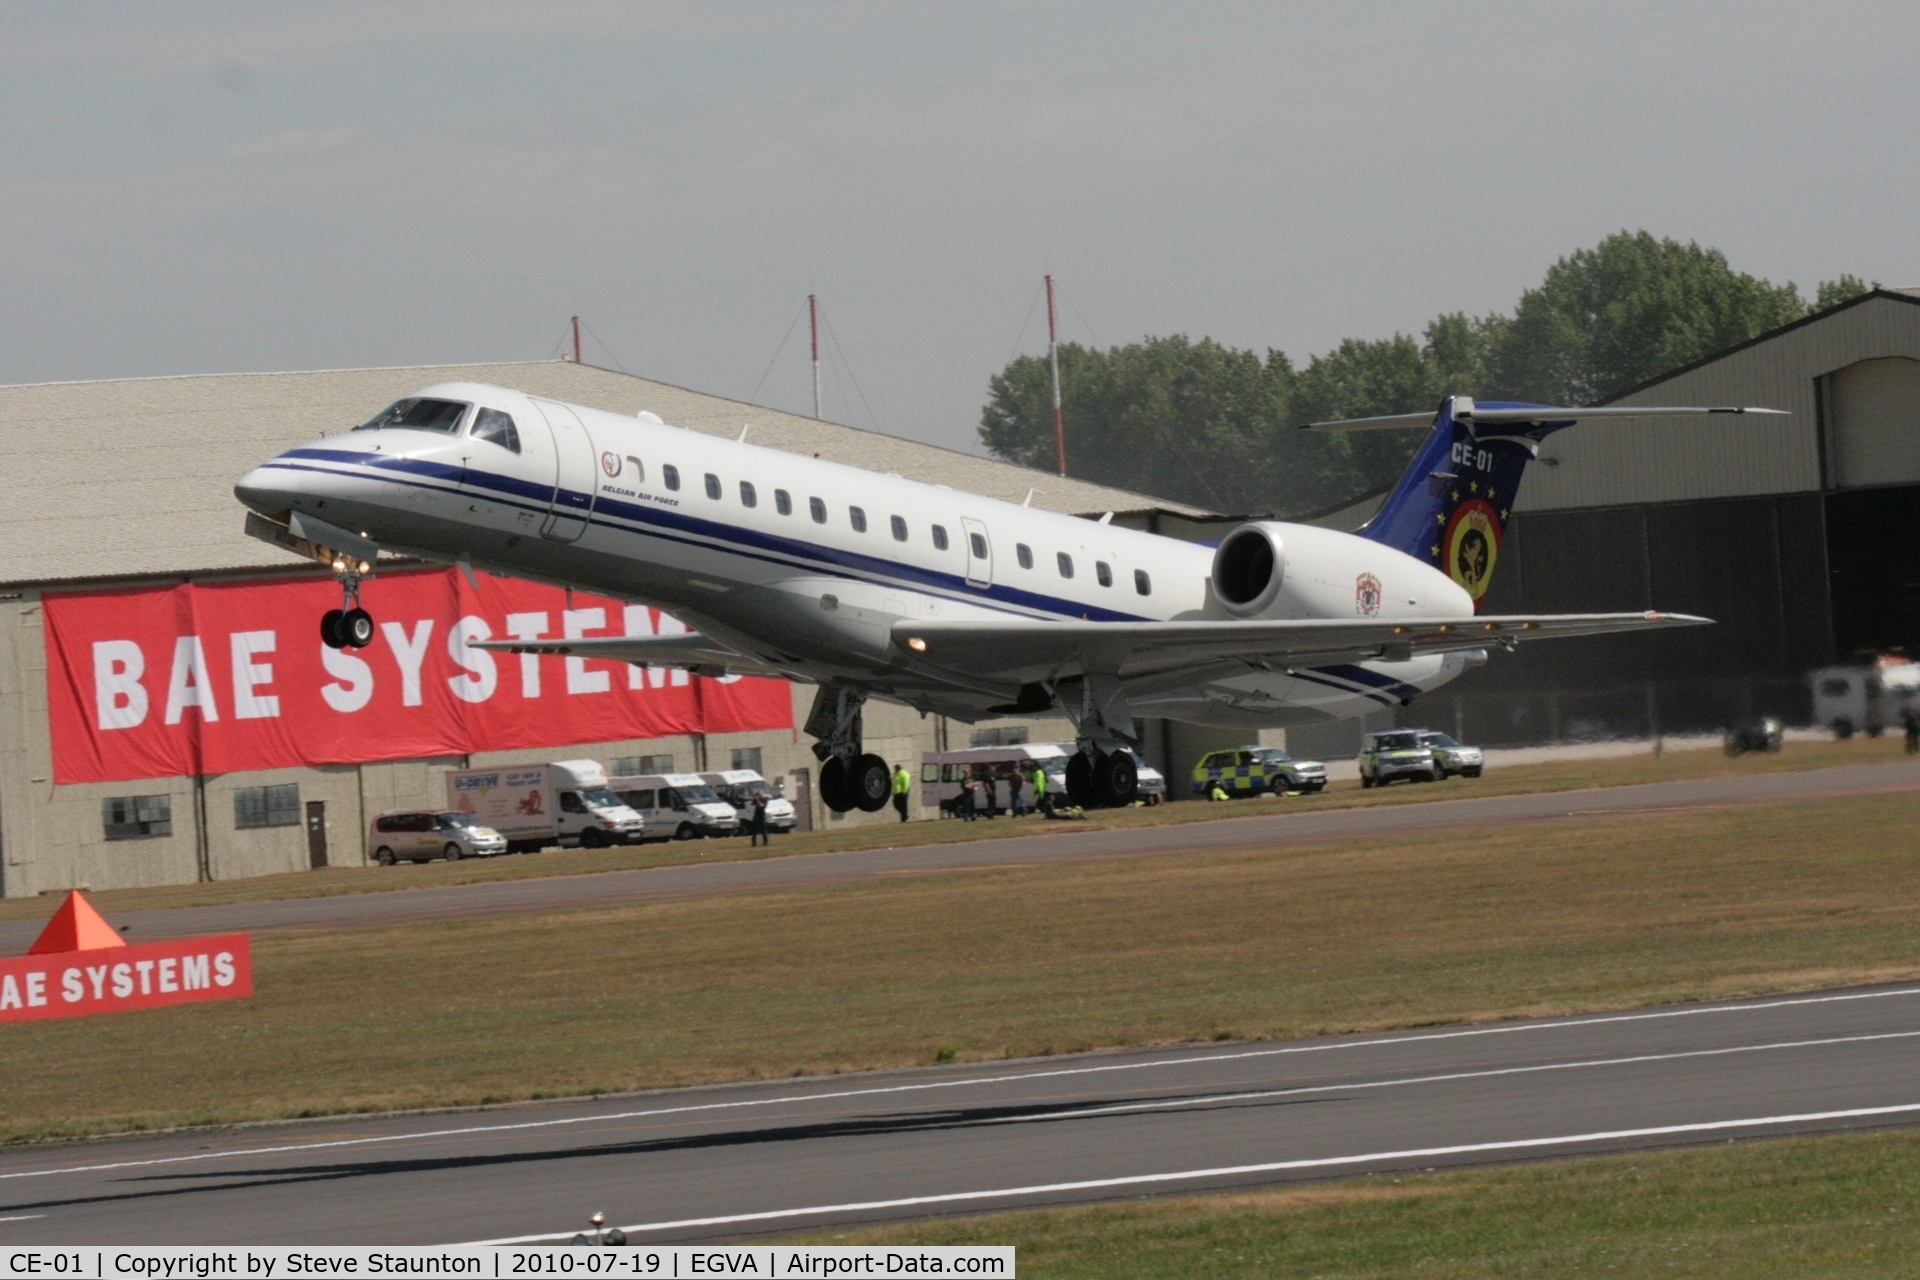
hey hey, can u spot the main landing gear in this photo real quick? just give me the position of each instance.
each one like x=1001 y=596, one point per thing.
x=350 y=626
x=849 y=777
x=1099 y=779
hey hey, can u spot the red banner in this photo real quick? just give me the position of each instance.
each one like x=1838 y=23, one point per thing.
x=217 y=678
x=72 y=984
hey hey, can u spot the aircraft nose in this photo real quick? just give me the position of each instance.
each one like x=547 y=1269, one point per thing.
x=267 y=490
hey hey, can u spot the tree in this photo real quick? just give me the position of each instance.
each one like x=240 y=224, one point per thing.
x=1216 y=427
x=1626 y=310
x=1834 y=292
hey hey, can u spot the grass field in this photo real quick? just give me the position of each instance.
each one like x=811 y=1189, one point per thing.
x=1560 y=776
x=1262 y=942
x=1846 y=1206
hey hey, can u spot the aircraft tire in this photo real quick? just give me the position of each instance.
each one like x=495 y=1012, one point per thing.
x=1116 y=780
x=330 y=629
x=1080 y=780
x=870 y=785
x=833 y=785
x=356 y=628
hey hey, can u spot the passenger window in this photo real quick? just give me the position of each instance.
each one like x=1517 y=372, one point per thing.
x=939 y=537
x=748 y=498
x=383 y=825
x=783 y=502
x=858 y=519
x=979 y=544
x=670 y=474
x=1065 y=562
x=817 y=509
x=1103 y=571
x=1142 y=583
x=899 y=529
x=641 y=799
x=1024 y=554
x=496 y=427
x=713 y=486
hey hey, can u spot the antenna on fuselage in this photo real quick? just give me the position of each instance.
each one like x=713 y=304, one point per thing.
x=576 y=339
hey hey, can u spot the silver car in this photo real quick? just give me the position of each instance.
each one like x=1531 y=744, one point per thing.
x=421 y=835
x=1455 y=759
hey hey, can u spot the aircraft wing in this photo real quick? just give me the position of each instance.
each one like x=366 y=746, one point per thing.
x=690 y=650
x=1037 y=650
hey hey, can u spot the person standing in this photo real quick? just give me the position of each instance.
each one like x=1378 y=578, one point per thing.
x=1017 y=792
x=964 y=804
x=1041 y=800
x=759 y=820
x=902 y=787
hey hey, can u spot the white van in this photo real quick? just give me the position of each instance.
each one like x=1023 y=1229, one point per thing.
x=678 y=806
x=738 y=787
x=1850 y=700
x=943 y=772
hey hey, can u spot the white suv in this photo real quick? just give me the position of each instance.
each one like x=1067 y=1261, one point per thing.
x=1397 y=753
x=1454 y=759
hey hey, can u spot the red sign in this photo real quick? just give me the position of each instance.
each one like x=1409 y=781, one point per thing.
x=216 y=678
x=73 y=984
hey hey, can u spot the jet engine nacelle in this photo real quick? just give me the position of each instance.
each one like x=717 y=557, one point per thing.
x=1248 y=568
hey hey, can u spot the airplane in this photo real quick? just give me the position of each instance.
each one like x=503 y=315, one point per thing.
x=870 y=585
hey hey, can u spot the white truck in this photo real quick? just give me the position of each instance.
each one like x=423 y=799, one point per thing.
x=1850 y=700
x=536 y=805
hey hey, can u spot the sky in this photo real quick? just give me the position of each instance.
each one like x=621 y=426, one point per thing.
x=202 y=188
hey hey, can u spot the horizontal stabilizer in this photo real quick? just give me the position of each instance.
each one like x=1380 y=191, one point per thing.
x=1465 y=411
x=1037 y=650
x=691 y=650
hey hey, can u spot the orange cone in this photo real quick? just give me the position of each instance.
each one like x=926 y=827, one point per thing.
x=76 y=926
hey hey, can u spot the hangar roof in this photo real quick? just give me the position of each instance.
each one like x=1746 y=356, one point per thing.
x=1850 y=423
x=135 y=476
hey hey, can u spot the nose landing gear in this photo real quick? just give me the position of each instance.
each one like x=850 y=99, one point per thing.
x=350 y=626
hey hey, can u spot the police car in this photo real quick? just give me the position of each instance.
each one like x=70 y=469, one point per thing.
x=1250 y=771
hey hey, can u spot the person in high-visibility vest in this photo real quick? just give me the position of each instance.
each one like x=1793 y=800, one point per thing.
x=1041 y=800
x=902 y=785
x=1219 y=792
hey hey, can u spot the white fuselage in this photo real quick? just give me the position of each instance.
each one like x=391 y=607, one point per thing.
x=765 y=551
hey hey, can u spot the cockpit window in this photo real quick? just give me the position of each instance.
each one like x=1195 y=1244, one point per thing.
x=493 y=425
x=420 y=415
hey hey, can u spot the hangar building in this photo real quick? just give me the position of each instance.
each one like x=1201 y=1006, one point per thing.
x=128 y=484
x=1799 y=536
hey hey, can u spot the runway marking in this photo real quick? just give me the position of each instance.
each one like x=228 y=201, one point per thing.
x=967 y=1082
x=1231 y=1171
x=25 y=1217
x=1117 y=1108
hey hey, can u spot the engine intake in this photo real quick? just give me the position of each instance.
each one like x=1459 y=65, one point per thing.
x=1248 y=568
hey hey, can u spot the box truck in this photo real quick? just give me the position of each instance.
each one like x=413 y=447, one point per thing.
x=536 y=805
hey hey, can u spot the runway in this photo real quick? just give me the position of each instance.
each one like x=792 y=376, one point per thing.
x=1039 y=843
x=749 y=1161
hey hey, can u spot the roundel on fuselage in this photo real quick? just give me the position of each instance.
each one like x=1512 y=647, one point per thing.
x=1471 y=546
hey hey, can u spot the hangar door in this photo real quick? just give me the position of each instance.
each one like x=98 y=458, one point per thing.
x=1873 y=427
x=575 y=480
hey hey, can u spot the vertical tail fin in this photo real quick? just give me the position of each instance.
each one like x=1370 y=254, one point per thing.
x=1451 y=506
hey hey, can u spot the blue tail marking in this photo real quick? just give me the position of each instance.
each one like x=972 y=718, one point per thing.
x=1451 y=506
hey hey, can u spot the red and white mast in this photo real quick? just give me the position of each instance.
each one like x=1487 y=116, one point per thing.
x=813 y=316
x=1053 y=364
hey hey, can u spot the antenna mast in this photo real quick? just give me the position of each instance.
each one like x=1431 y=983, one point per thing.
x=576 y=339
x=813 y=317
x=1053 y=364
